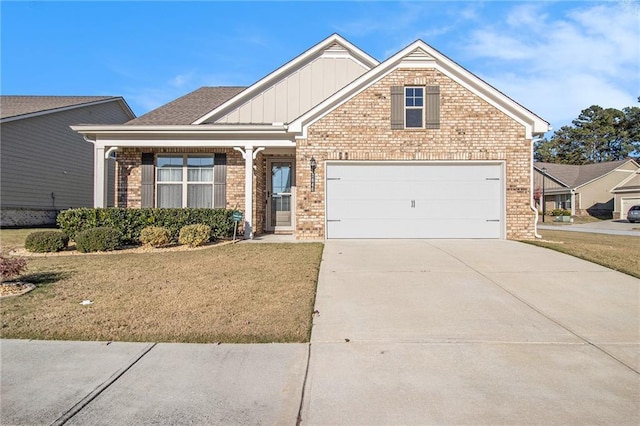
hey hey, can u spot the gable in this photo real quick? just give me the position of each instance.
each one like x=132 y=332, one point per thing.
x=295 y=87
x=418 y=56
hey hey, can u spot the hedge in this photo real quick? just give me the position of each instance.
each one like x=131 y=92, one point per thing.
x=130 y=222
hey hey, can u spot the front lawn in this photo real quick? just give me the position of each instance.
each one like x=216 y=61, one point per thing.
x=619 y=252
x=228 y=293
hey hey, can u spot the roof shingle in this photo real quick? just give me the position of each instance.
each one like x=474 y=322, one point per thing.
x=13 y=106
x=188 y=108
x=576 y=175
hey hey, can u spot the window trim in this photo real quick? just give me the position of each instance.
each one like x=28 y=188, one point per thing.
x=185 y=182
x=422 y=108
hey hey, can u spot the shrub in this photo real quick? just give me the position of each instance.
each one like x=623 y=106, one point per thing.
x=131 y=222
x=559 y=212
x=46 y=241
x=195 y=235
x=11 y=267
x=101 y=238
x=155 y=236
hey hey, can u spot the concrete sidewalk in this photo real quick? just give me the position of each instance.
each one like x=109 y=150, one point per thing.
x=471 y=332
x=92 y=383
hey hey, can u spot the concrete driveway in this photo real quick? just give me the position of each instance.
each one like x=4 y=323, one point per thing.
x=471 y=332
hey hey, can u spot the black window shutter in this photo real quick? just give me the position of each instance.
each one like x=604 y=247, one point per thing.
x=397 y=107
x=432 y=104
x=148 y=177
x=220 y=181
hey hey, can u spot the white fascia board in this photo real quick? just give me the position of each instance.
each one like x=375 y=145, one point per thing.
x=286 y=69
x=177 y=129
x=533 y=124
x=108 y=141
x=69 y=107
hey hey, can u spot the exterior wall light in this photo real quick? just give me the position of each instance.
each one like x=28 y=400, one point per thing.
x=313 y=164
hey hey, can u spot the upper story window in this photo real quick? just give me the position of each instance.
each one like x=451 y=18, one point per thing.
x=414 y=107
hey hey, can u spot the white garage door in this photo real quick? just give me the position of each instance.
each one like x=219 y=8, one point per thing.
x=414 y=200
x=626 y=204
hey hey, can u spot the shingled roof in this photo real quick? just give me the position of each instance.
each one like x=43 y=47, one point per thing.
x=189 y=108
x=574 y=176
x=14 y=106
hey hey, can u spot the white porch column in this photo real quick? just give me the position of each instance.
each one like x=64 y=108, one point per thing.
x=249 y=155
x=248 y=192
x=99 y=181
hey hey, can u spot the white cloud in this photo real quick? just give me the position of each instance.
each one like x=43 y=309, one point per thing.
x=565 y=63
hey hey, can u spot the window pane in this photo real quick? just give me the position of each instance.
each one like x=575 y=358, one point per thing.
x=200 y=196
x=281 y=178
x=169 y=169
x=200 y=169
x=169 y=196
x=200 y=175
x=169 y=162
x=200 y=162
x=170 y=175
x=413 y=118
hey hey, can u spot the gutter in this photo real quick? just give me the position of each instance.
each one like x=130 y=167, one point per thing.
x=532 y=205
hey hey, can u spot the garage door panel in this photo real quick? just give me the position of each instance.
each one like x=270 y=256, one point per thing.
x=626 y=204
x=443 y=200
x=411 y=228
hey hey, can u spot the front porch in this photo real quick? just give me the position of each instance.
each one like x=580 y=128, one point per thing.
x=258 y=181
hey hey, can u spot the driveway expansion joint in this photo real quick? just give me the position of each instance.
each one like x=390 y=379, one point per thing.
x=101 y=388
x=538 y=311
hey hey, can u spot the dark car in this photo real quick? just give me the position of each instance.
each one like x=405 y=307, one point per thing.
x=633 y=215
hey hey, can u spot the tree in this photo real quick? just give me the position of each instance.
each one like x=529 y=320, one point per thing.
x=597 y=135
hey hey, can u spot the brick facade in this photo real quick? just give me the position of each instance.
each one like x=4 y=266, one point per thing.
x=129 y=174
x=470 y=129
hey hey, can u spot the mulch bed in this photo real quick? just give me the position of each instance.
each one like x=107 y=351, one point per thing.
x=15 y=288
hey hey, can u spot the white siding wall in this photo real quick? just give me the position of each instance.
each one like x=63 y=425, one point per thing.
x=298 y=92
x=42 y=155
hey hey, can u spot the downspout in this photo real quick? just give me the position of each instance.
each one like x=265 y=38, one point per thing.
x=532 y=205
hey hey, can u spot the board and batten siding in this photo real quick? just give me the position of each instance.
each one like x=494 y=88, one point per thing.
x=42 y=156
x=298 y=92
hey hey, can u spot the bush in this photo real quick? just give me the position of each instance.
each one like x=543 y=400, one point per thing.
x=46 y=241
x=11 y=267
x=155 y=236
x=195 y=235
x=131 y=222
x=98 y=239
x=559 y=212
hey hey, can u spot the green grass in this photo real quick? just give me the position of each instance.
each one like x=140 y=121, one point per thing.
x=619 y=252
x=234 y=293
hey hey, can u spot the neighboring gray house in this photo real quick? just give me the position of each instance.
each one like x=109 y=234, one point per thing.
x=46 y=167
x=584 y=189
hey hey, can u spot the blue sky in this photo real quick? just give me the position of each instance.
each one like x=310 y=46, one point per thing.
x=555 y=58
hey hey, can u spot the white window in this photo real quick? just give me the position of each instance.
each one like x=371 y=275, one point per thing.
x=414 y=107
x=184 y=181
x=563 y=201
